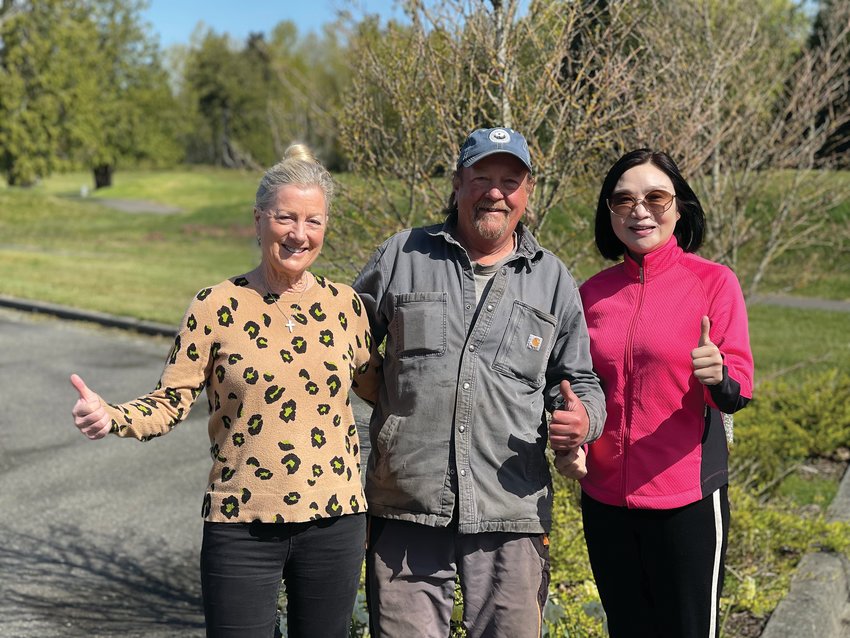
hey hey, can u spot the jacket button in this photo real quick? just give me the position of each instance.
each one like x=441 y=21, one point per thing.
x=462 y=428
x=466 y=385
x=463 y=472
x=490 y=307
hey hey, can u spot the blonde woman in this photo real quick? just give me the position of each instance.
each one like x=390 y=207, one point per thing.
x=277 y=350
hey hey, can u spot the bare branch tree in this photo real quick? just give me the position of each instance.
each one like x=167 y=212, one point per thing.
x=738 y=105
x=558 y=73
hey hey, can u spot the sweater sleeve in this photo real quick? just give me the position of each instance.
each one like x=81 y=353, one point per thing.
x=730 y=332
x=366 y=373
x=183 y=379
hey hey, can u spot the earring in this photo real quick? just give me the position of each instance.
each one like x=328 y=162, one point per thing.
x=258 y=240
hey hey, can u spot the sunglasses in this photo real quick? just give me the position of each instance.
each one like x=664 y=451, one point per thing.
x=655 y=202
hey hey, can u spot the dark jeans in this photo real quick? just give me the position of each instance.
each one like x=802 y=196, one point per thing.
x=242 y=565
x=659 y=572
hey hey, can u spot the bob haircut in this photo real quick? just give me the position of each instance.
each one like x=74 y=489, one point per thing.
x=689 y=228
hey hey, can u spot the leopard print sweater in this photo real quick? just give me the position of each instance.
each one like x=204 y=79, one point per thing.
x=283 y=438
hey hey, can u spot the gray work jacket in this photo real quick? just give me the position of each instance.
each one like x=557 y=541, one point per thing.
x=459 y=422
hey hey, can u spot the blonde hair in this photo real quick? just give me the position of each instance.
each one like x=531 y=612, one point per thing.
x=299 y=167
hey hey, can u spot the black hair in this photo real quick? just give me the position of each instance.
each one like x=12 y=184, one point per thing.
x=690 y=227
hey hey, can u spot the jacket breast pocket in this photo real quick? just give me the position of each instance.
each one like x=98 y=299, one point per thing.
x=526 y=344
x=420 y=324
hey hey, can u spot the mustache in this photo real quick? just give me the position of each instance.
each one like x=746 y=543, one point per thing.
x=491 y=207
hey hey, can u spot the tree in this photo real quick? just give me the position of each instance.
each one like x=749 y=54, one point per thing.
x=80 y=83
x=729 y=88
x=122 y=101
x=8 y=8
x=559 y=74
x=223 y=84
x=256 y=99
x=37 y=43
x=311 y=75
x=734 y=95
x=837 y=145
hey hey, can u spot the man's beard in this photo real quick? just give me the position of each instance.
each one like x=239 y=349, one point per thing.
x=487 y=229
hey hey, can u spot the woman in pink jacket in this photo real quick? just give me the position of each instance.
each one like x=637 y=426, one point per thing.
x=670 y=343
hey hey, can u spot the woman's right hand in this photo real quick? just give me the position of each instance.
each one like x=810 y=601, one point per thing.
x=571 y=463
x=89 y=414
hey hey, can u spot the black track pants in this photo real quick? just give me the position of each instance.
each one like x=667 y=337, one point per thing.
x=659 y=572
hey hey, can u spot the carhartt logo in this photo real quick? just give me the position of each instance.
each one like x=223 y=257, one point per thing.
x=534 y=342
x=499 y=136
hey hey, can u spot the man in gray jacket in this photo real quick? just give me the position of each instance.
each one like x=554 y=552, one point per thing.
x=484 y=334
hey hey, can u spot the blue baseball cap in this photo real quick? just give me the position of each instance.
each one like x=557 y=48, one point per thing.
x=488 y=141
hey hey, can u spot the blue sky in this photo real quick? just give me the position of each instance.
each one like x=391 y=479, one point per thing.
x=175 y=20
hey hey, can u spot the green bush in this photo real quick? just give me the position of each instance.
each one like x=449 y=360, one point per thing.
x=788 y=423
x=766 y=542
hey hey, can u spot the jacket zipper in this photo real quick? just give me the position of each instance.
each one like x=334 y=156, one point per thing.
x=629 y=387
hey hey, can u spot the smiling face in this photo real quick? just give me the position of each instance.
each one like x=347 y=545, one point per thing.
x=492 y=195
x=642 y=231
x=291 y=232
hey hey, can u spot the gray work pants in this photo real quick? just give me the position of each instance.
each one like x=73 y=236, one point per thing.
x=410 y=581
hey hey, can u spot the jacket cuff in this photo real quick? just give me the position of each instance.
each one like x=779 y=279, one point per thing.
x=596 y=417
x=727 y=394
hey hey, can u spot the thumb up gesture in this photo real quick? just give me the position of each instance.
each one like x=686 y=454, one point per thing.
x=570 y=425
x=89 y=414
x=707 y=360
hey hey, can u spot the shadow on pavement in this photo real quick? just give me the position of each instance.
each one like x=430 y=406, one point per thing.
x=59 y=581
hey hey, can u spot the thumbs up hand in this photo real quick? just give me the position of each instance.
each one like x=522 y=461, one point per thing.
x=571 y=463
x=570 y=425
x=707 y=360
x=89 y=414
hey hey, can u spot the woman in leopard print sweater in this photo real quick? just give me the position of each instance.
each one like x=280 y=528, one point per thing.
x=277 y=350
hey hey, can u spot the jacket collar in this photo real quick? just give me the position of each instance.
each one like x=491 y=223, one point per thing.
x=656 y=262
x=527 y=245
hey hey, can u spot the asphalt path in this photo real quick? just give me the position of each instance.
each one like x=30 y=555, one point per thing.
x=97 y=538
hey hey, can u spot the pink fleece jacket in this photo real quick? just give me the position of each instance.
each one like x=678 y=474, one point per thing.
x=663 y=444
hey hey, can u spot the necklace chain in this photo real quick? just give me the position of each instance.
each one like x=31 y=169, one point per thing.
x=274 y=297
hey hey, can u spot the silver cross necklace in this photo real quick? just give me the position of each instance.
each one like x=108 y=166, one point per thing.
x=289 y=323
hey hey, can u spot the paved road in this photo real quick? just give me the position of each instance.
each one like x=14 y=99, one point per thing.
x=97 y=538
x=802 y=302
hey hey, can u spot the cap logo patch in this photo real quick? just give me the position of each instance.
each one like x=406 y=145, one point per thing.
x=534 y=342
x=499 y=136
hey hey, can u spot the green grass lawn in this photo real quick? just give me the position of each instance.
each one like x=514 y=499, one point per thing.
x=791 y=341
x=812 y=490
x=60 y=247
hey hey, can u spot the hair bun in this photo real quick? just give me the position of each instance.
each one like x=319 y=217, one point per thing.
x=299 y=152
x=298 y=166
